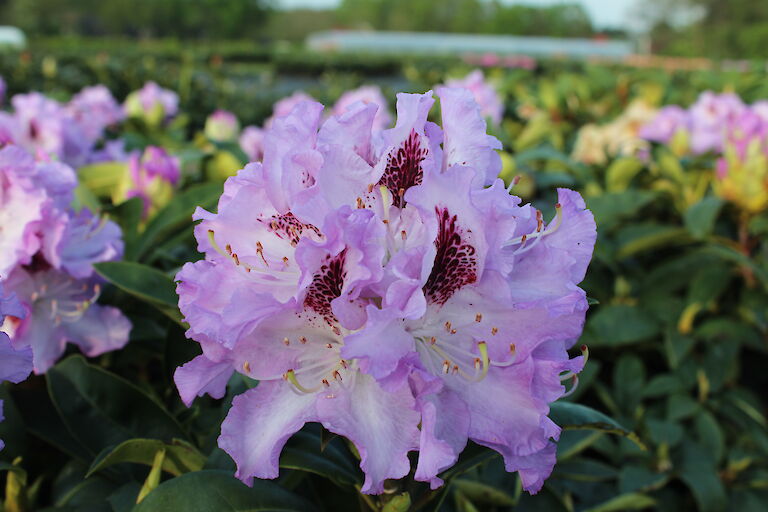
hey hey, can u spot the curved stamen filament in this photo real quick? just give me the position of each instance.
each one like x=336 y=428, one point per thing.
x=569 y=374
x=537 y=234
x=573 y=387
x=290 y=376
x=512 y=359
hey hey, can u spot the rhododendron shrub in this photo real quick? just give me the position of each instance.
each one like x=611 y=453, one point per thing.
x=388 y=286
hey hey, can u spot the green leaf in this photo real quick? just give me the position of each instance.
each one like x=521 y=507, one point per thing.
x=620 y=173
x=128 y=215
x=143 y=282
x=699 y=473
x=177 y=215
x=180 y=457
x=610 y=209
x=710 y=434
x=101 y=409
x=220 y=491
x=481 y=493
x=584 y=470
x=700 y=218
x=631 y=501
x=620 y=324
x=303 y=453
x=576 y=416
x=640 y=238
x=639 y=478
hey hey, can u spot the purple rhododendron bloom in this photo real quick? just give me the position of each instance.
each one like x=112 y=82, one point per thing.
x=484 y=93
x=343 y=238
x=151 y=174
x=222 y=126
x=94 y=109
x=285 y=106
x=41 y=123
x=366 y=94
x=47 y=252
x=15 y=365
x=252 y=143
x=59 y=309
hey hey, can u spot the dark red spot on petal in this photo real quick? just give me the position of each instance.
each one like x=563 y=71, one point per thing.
x=326 y=286
x=455 y=262
x=288 y=227
x=404 y=169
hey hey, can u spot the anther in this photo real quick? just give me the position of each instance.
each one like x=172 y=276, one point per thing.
x=326 y=383
x=303 y=340
x=479 y=317
x=336 y=375
x=432 y=340
x=494 y=331
x=328 y=345
x=455 y=369
x=237 y=260
x=446 y=366
x=370 y=187
x=228 y=248
x=448 y=326
x=453 y=331
x=344 y=364
x=401 y=192
x=402 y=234
x=286 y=341
x=285 y=260
x=247 y=367
x=360 y=204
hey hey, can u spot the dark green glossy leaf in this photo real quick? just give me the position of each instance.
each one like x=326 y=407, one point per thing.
x=700 y=218
x=211 y=490
x=101 y=409
x=180 y=457
x=143 y=282
x=177 y=215
x=575 y=416
x=619 y=324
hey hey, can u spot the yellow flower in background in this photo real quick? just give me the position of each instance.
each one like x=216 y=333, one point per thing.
x=597 y=143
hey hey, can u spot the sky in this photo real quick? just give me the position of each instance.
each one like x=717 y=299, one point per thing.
x=604 y=13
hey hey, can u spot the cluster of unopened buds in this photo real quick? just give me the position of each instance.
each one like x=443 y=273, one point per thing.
x=386 y=284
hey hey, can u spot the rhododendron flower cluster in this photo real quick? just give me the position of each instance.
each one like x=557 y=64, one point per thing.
x=69 y=132
x=491 y=105
x=151 y=176
x=724 y=125
x=388 y=286
x=252 y=138
x=15 y=364
x=47 y=252
x=709 y=123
